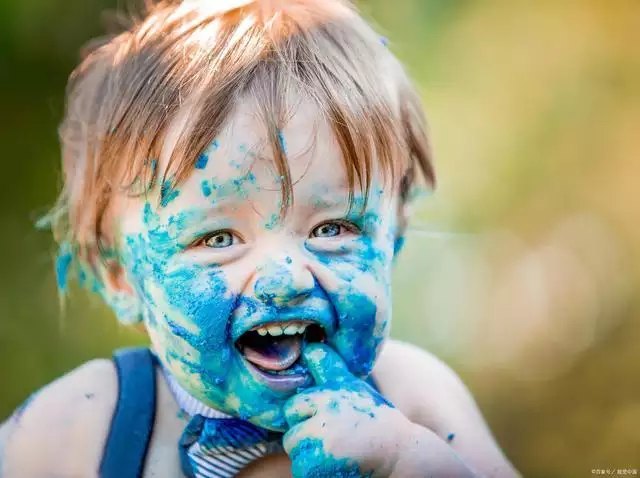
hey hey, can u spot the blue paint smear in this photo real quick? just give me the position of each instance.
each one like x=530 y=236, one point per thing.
x=273 y=221
x=310 y=459
x=235 y=187
x=167 y=193
x=63 y=265
x=196 y=327
x=451 y=436
x=154 y=165
x=398 y=244
x=206 y=188
x=195 y=321
x=282 y=141
x=202 y=161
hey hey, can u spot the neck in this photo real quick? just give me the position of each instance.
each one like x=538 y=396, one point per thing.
x=187 y=403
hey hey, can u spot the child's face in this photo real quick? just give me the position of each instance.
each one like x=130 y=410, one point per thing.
x=220 y=277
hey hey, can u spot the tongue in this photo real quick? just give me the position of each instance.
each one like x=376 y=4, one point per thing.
x=276 y=354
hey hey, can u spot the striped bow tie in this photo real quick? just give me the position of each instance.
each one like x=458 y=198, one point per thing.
x=221 y=447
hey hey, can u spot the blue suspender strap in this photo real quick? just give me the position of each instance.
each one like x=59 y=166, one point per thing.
x=132 y=422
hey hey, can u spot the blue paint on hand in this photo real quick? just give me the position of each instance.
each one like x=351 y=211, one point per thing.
x=337 y=392
x=309 y=459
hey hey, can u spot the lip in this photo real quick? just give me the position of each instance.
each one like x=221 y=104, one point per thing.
x=279 y=383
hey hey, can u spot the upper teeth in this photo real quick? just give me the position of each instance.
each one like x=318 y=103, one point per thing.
x=275 y=330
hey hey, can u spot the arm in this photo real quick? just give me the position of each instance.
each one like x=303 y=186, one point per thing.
x=5 y=431
x=64 y=427
x=434 y=398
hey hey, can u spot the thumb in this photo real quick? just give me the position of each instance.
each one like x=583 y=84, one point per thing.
x=324 y=364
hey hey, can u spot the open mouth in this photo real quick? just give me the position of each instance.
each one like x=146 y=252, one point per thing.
x=274 y=350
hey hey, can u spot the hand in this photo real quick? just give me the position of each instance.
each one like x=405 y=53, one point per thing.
x=341 y=427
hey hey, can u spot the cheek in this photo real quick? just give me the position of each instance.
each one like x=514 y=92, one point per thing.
x=361 y=296
x=192 y=308
x=186 y=306
x=363 y=326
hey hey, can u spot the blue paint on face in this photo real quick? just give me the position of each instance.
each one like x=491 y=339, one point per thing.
x=194 y=318
x=236 y=187
x=167 y=192
x=276 y=286
x=282 y=141
x=362 y=328
x=274 y=220
x=188 y=312
x=398 y=244
x=206 y=188
x=202 y=161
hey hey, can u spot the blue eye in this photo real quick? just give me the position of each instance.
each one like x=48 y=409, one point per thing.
x=219 y=240
x=328 y=229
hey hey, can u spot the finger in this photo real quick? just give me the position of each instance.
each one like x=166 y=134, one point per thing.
x=306 y=447
x=298 y=439
x=324 y=364
x=300 y=407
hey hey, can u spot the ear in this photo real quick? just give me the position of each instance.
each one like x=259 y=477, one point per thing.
x=117 y=291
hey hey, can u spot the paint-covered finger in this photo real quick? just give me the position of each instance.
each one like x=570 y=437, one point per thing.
x=296 y=434
x=299 y=408
x=325 y=365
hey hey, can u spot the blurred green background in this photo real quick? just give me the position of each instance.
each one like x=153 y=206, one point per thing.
x=520 y=271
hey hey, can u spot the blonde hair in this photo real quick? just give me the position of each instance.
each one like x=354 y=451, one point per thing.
x=129 y=88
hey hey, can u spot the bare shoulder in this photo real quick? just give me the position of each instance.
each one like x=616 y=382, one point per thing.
x=431 y=394
x=415 y=380
x=63 y=428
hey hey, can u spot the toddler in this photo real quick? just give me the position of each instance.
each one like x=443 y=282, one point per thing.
x=236 y=179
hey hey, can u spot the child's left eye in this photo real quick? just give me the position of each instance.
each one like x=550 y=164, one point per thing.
x=220 y=240
x=331 y=229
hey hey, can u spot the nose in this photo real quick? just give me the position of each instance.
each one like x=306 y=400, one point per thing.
x=283 y=281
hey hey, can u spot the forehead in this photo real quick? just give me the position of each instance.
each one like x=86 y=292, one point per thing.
x=236 y=178
x=242 y=158
x=305 y=138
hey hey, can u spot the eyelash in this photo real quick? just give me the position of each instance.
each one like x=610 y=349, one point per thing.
x=348 y=225
x=202 y=241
